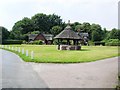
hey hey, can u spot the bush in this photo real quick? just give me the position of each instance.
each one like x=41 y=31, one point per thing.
x=12 y=42
x=99 y=43
x=113 y=42
x=24 y=42
x=91 y=42
x=55 y=42
x=38 y=42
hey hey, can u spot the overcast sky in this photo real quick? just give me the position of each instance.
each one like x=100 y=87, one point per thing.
x=103 y=12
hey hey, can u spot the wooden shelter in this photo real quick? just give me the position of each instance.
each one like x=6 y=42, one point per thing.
x=70 y=37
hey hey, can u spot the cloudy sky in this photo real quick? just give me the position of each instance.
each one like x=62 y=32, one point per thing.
x=103 y=12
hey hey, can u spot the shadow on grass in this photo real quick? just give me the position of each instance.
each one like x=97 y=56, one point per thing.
x=74 y=50
x=84 y=50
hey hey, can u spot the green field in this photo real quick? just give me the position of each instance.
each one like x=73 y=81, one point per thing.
x=50 y=54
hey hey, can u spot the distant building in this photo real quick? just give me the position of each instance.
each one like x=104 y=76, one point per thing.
x=84 y=37
x=46 y=38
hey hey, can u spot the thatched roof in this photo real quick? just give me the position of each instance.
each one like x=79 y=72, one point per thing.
x=68 y=33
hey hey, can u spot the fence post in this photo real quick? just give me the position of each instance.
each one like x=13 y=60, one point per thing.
x=2 y=46
x=9 y=47
x=19 y=49
x=23 y=51
x=5 y=46
x=12 y=48
x=16 y=49
x=26 y=52
x=32 y=55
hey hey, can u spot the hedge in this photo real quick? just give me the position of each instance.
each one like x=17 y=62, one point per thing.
x=37 y=42
x=12 y=42
x=113 y=42
x=99 y=43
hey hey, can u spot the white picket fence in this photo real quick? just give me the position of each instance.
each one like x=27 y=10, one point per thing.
x=19 y=50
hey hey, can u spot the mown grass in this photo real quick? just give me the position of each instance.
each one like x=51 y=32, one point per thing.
x=50 y=54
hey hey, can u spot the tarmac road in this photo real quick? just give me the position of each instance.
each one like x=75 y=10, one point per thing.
x=98 y=74
x=18 y=74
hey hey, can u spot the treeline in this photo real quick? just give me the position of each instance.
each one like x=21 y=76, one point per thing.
x=53 y=24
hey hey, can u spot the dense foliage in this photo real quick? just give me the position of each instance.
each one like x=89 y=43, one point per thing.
x=113 y=42
x=12 y=42
x=53 y=24
x=4 y=32
x=38 y=42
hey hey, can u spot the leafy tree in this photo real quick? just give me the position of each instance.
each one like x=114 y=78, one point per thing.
x=97 y=33
x=86 y=27
x=35 y=32
x=16 y=34
x=105 y=33
x=4 y=33
x=44 y=23
x=40 y=22
x=114 y=34
x=73 y=25
x=12 y=35
x=96 y=36
x=78 y=28
x=20 y=28
x=23 y=26
x=56 y=30
x=54 y=20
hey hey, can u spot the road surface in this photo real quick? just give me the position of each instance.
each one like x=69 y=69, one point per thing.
x=98 y=74
x=18 y=74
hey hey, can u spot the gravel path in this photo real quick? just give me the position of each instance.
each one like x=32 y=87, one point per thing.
x=98 y=74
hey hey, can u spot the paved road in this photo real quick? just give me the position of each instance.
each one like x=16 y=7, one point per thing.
x=98 y=74
x=18 y=74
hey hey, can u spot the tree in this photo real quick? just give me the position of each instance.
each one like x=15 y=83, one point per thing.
x=4 y=33
x=97 y=33
x=114 y=34
x=77 y=27
x=44 y=23
x=20 y=28
x=55 y=30
x=35 y=32
x=23 y=26
x=86 y=27
x=73 y=25
x=105 y=33
x=96 y=36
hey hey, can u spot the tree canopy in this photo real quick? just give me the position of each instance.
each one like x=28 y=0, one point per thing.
x=53 y=24
x=4 y=33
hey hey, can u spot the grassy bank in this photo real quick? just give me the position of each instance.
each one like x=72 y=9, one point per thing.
x=50 y=54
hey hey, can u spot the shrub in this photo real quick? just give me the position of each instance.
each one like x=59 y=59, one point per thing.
x=38 y=42
x=24 y=42
x=55 y=42
x=12 y=42
x=113 y=42
x=99 y=43
x=91 y=42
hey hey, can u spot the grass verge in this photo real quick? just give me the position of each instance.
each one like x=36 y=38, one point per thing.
x=50 y=54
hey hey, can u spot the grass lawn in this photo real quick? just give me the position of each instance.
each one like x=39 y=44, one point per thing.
x=50 y=54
